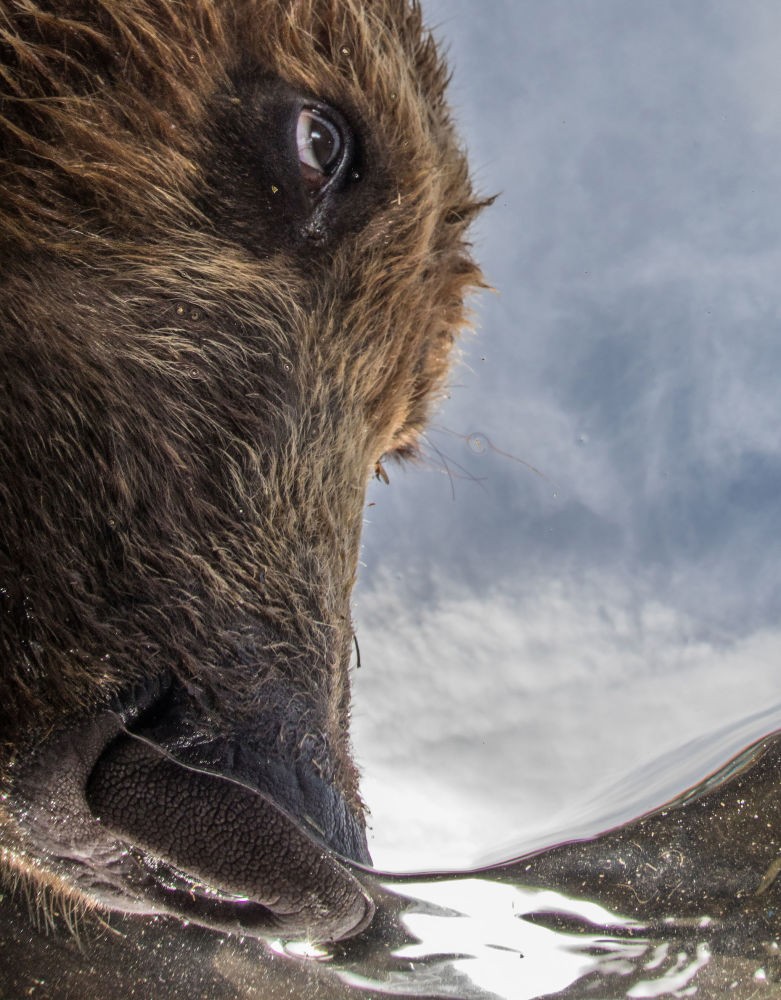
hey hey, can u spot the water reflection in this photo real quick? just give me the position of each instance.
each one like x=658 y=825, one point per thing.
x=484 y=928
x=683 y=900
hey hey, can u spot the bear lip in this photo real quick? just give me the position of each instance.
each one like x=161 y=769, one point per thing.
x=302 y=889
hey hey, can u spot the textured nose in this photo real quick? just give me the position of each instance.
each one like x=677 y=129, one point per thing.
x=225 y=838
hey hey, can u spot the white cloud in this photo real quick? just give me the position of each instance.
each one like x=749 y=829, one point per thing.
x=483 y=724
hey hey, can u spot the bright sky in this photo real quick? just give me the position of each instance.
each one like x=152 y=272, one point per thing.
x=529 y=637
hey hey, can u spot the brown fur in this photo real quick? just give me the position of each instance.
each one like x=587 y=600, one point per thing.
x=195 y=391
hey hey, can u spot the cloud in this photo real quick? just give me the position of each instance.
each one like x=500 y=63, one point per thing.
x=500 y=716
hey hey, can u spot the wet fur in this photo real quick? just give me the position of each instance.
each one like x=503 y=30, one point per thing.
x=198 y=372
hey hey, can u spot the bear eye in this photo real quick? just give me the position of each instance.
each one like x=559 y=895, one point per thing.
x=320 y=147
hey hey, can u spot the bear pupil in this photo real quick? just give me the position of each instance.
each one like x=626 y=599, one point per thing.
x=322 y=146
x=319 y=143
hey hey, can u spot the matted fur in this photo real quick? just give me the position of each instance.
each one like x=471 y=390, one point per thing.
x=191 y=411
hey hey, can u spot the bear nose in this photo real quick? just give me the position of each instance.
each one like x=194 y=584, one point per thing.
x=225 y=841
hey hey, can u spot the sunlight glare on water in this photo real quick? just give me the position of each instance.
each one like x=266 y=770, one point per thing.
x=676 y=979
x=503 y=953
x=479 y=925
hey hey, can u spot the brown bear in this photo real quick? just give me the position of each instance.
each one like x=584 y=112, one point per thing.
x=233 y=264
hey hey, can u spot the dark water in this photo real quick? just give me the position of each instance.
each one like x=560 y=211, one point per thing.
x=685 y=901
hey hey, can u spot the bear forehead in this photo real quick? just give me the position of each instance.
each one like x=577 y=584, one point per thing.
x=108 y=107
x=118 y=133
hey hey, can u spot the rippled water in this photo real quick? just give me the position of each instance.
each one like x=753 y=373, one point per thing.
x=685 y=901
x=682 y=902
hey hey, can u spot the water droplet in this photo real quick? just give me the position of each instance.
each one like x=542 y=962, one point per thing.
x=180 y=310
x=344 y=50
x=195 y=314
x=476 y=443
x=315 y=231
x=287 y=367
